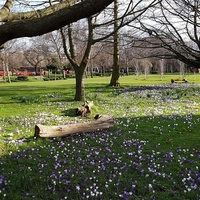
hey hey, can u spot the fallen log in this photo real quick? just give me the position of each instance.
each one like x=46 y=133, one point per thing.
x=85 y=109
x=100 y=122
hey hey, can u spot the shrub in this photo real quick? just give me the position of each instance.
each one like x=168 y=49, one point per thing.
x=22 y=78
x=46 y=79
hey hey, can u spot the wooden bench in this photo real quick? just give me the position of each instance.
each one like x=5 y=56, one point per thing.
x=179 y=80
x=38 y=77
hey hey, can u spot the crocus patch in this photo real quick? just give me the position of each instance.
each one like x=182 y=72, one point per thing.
x=144 y=156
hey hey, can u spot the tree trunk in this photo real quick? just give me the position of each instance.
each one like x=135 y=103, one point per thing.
x=7 y=69
x=35 y=68
x=137 y=70
x=91 y=72
x=161 y=69
x=127 y=71
x=182 y=68
x=4 y=70
x=115 y=74
x=145 y=72
x=80 y=87
x=103 y=122
x=71 y=43
x=78 y=68
x=64 y=75
x=49 y=73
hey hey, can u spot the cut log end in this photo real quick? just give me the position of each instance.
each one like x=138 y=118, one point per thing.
x=85 y=109
x=37 y=131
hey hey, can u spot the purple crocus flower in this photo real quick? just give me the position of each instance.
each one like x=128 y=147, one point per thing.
x=1 y=178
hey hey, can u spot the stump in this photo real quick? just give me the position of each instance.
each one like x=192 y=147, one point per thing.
x=100 y=122
x=85 y=109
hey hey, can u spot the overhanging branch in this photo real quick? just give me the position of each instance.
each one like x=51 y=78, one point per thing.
x=54 y=21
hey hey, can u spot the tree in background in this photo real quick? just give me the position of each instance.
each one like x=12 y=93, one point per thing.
x=100 y=28
x=6 y=56
x=53 y=43
x=100 y=60
x=37 y=53
x=53 y=66
x=137 y=10
x=173 y=26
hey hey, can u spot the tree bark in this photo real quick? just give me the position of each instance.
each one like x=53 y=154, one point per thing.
x=80 y=87
x=103 y=122
x=56 y=20
x=115 y=74
x=84 y=109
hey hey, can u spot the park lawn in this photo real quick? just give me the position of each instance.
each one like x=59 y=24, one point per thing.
x=152 y=152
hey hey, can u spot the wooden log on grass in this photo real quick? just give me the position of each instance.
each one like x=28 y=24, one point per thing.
x=100 y=122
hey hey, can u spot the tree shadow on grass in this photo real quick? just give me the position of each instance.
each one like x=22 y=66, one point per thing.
x=69 y=112
x=27 y=170
x=148 y=88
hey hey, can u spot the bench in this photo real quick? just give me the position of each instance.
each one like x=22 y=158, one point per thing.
x=38 y=77
x=179 y=80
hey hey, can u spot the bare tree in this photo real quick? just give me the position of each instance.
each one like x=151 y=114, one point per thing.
x=146 y=65
x=6 y=54
x=137 y=9
x=173 y=26
x=37 y=53
x=3 y=59
x=182 y=68
x=101 y=59
x=137 y=69
x=53 y=42
x=104 y=56
x=78 y=65
x=99 y=29
x=16 y=60
x=39 y=21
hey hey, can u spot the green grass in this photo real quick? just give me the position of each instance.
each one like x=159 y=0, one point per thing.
x=152 y=152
